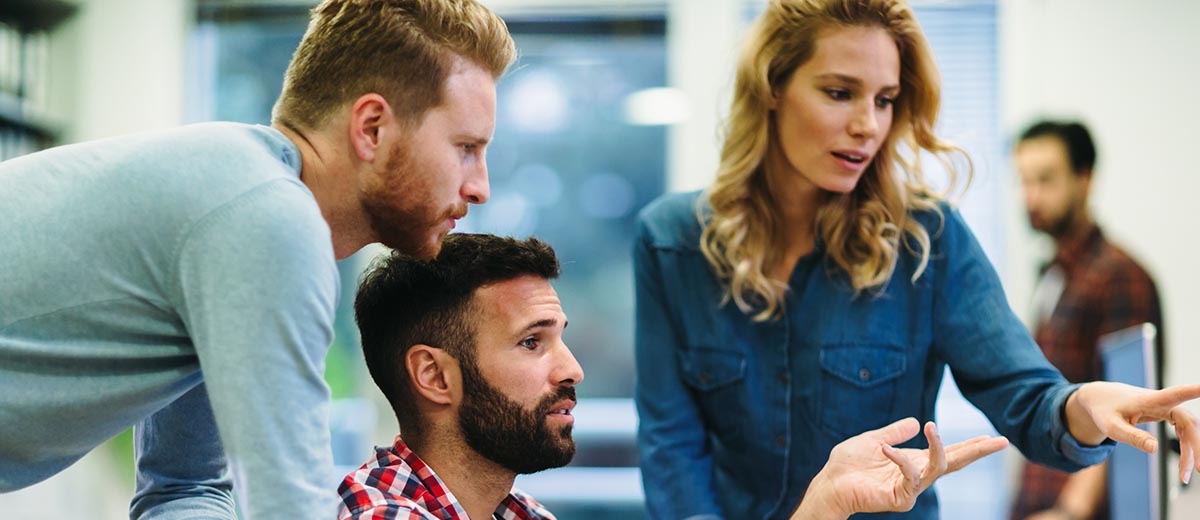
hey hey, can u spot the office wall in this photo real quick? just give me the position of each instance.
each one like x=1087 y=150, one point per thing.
x=1130 y=70
x=120 y=67
x=703 y=37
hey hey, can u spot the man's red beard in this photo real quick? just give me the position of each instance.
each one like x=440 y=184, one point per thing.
x=400 y=211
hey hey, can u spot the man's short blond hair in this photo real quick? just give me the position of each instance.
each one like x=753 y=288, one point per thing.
x=402 y=50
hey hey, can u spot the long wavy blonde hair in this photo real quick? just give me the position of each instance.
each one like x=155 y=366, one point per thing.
x=863 y=229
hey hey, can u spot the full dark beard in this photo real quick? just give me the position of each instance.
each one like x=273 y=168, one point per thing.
x=1075 y=212
x=1058 y=227
x=504 y=432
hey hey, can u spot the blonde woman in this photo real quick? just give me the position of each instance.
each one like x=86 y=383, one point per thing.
x=819 y=287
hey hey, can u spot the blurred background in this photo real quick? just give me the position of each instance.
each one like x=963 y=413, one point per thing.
x=612 y=103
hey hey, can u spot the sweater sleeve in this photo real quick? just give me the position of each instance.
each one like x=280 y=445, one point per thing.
x=257 y=291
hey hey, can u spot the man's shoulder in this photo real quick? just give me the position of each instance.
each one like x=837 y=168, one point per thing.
x=534 y=508
x=1114 y=263
x=181 y=172
x=388 y=509
x=228 y=158
x=210 y=146
x=233 y=138
x=383 y=491
x=205 y=174
x=244 y=175
x=388 y=487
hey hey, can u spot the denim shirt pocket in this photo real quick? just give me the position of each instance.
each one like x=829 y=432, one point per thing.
x=859 y=386
x=714 y=377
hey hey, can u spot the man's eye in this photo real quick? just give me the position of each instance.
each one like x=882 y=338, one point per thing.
x=469 y=147
x=529 y=343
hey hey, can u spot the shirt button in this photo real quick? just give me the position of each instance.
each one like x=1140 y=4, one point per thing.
x=783 y=376
x=781 y=441
x=704 y=377
x=864 y=374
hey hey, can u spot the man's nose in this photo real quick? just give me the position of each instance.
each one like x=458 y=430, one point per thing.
x=570 y=372
x=476 y=189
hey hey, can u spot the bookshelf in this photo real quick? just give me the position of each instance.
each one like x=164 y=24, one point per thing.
x=25 y=26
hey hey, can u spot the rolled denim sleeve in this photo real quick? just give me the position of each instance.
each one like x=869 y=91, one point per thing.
x=672 y=439
x=994 y=360
x=1071 y=448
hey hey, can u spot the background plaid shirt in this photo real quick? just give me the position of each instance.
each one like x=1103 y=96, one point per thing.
x=397 y=485
x=1105 y=291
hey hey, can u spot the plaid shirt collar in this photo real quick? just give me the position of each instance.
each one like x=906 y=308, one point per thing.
x=397 y=484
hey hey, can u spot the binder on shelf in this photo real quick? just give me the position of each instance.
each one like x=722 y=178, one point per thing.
x=10 y=59
x=15 y=42
x=25 y=73
x=35 y=61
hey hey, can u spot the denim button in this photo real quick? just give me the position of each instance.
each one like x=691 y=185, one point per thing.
x=704 y=377
x=781 y=441
x=783 y=376
x=864 y=374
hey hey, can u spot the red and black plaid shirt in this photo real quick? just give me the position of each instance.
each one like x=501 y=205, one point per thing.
x=397 y=485
x=1104 y=291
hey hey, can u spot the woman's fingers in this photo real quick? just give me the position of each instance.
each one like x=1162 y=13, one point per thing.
x=912 y=474
x=1122 y=431
x=937 y=457
x=960 y=454
x=1187 y=463
x=1169 y=398
x=1186 y=428
x=897 y=432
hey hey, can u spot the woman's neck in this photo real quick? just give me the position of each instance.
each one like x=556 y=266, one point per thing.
x=795 y=202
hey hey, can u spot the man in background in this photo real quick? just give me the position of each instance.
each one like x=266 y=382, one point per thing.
x=184 y=282
x=1090 y=288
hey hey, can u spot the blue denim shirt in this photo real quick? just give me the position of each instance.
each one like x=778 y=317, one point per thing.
x=736 y=417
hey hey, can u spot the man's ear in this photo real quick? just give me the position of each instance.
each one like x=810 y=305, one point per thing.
x=371 y=118
x=434 y=374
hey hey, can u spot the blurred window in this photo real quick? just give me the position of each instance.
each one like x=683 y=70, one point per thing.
x=567 y=164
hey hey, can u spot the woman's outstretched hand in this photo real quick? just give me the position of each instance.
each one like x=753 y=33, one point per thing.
x=866 y=474
x=1101 y=409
